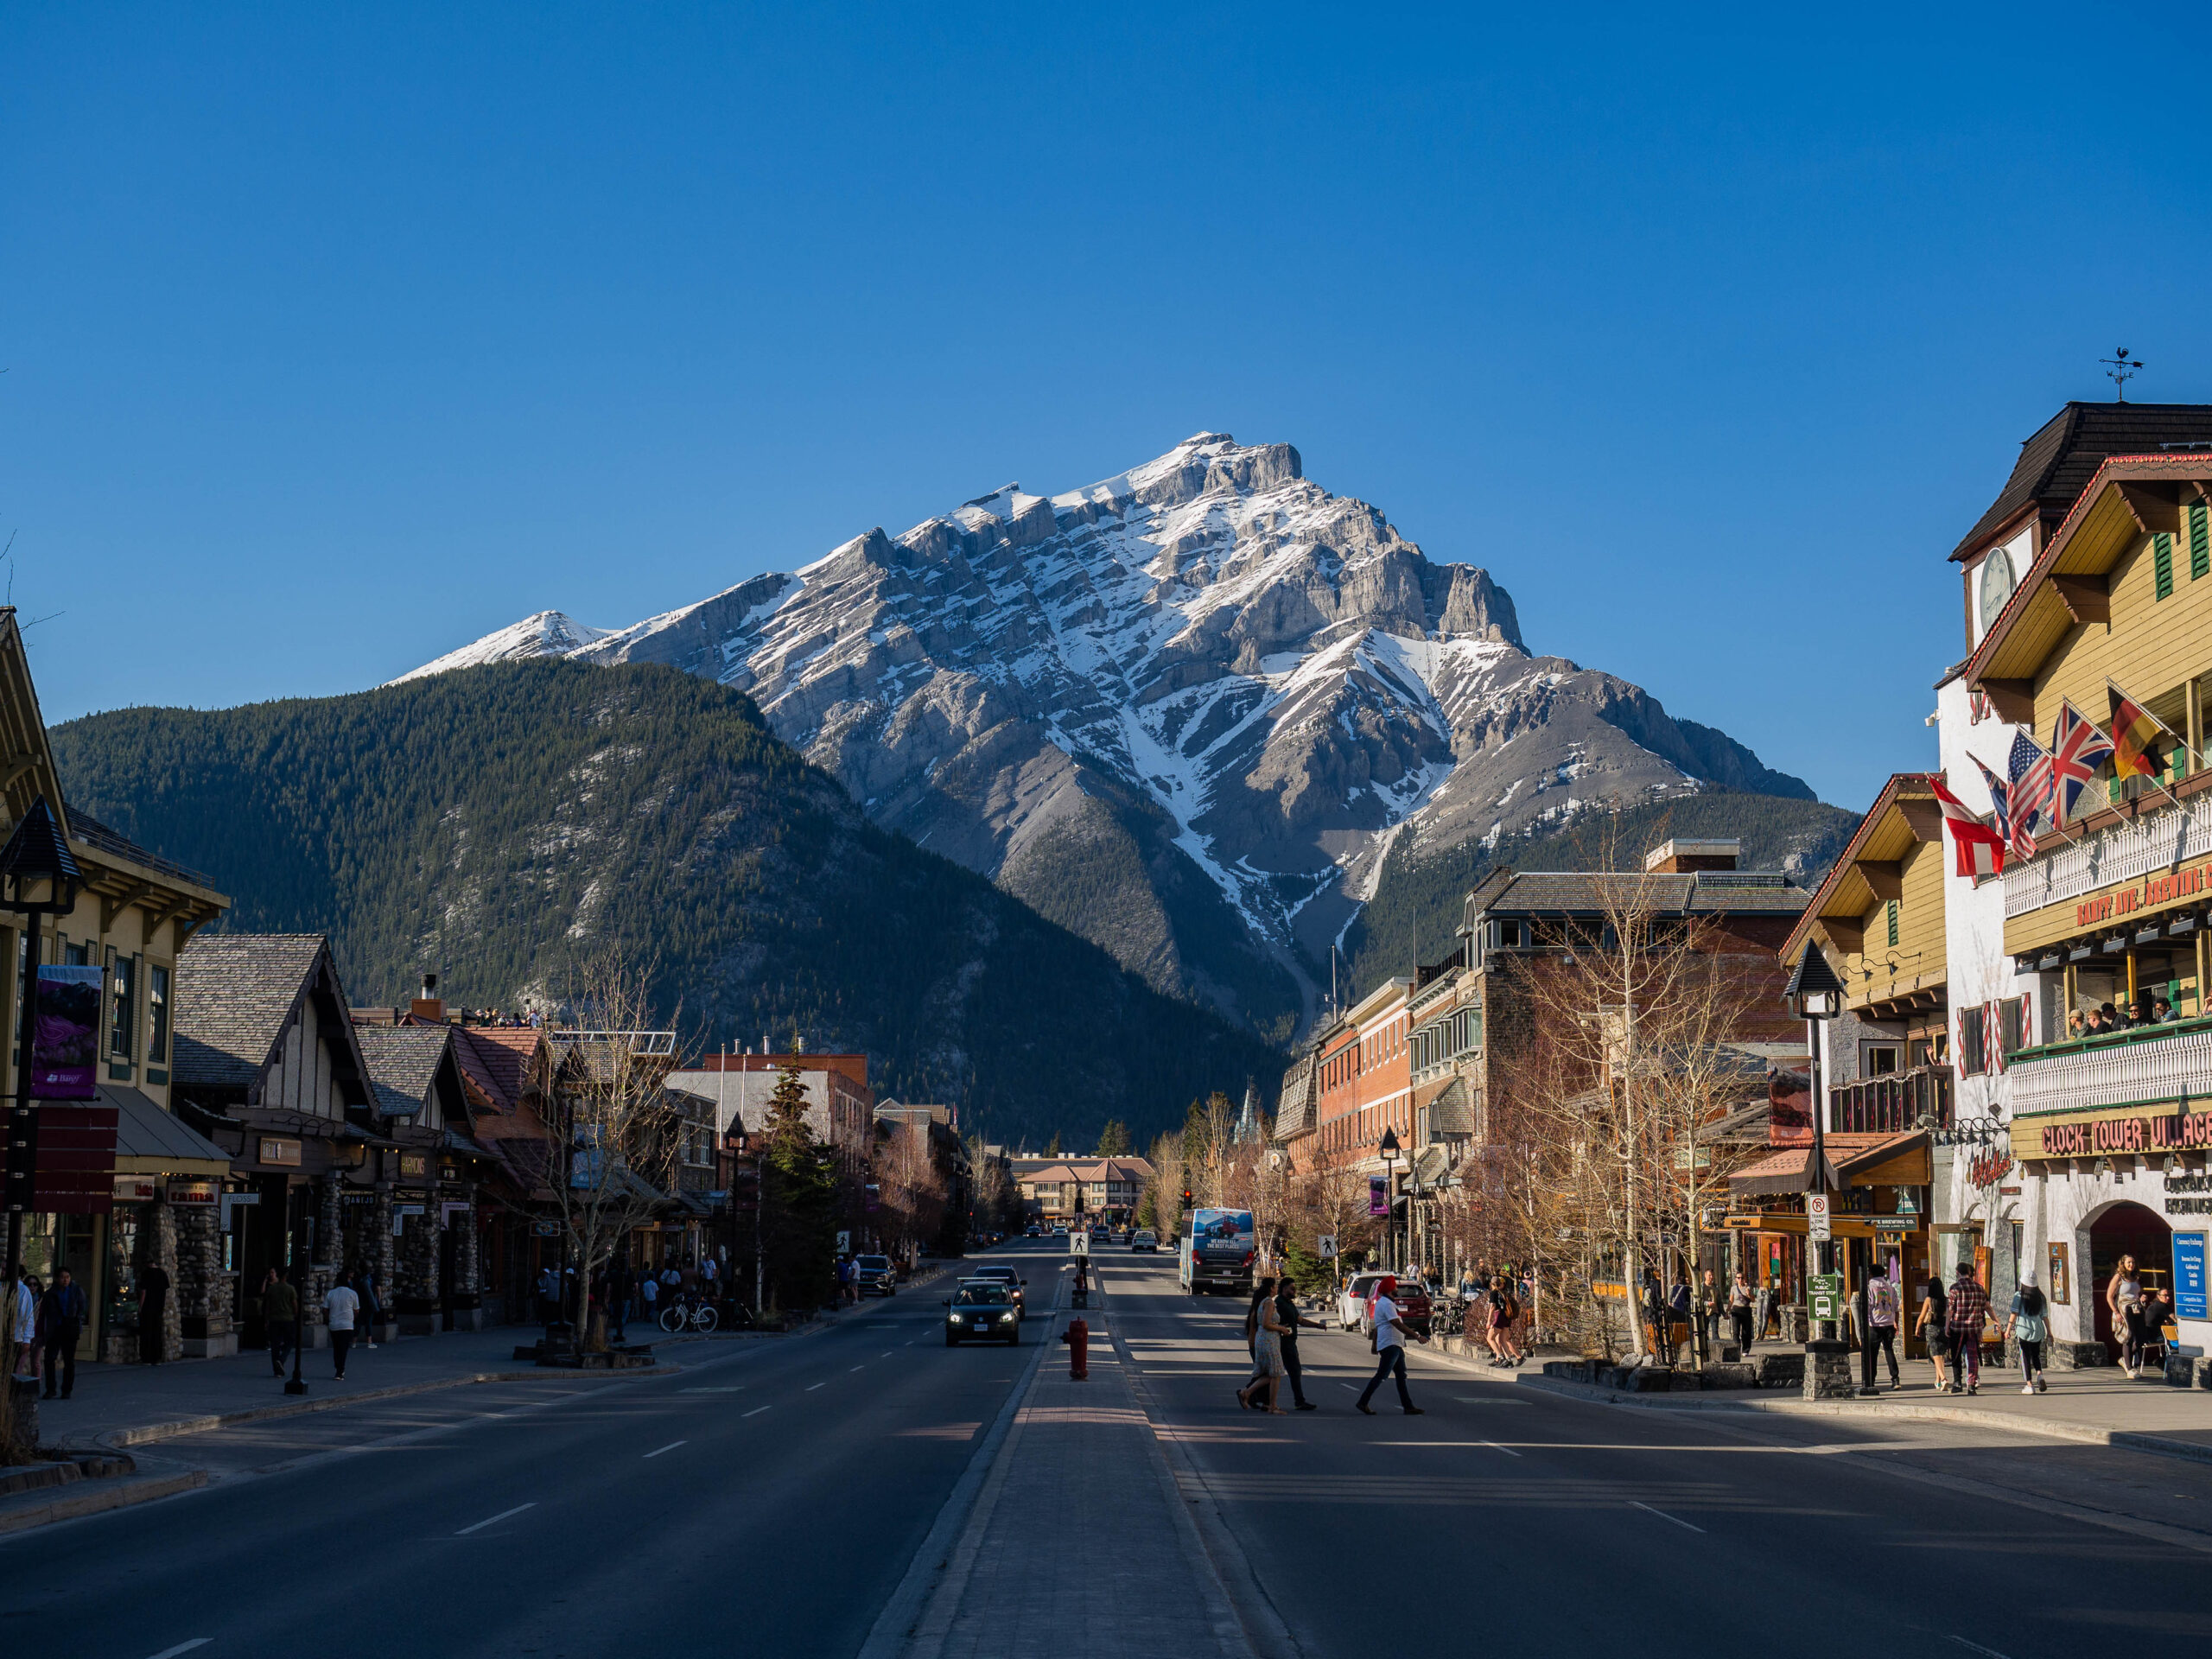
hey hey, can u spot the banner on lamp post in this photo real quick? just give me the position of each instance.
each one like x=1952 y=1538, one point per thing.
x=66 y=1035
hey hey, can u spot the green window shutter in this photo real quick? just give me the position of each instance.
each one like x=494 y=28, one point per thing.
x=2200 y=543
x=1891 y=911
x=2162 y=563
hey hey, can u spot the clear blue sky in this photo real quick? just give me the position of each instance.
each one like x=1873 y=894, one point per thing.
x=334 y=341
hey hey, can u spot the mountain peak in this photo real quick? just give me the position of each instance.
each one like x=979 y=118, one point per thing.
x=1184 y=710
x=547 y=633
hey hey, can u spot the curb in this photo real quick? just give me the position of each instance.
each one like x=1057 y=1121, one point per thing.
x=146 y=1433
x=121 y=1496
x=2043 y=1428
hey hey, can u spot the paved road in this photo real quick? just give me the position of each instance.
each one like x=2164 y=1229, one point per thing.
x=778 y=1486
x=1527 y=1521
x=773 y=1496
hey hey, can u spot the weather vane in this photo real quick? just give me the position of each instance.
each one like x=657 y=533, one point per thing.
x=2119 y=371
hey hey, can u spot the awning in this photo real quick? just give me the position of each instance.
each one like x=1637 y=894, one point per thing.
x=1853 y=1160
x=151 y=1142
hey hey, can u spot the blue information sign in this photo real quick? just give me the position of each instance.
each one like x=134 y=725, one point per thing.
x=2189 y=1275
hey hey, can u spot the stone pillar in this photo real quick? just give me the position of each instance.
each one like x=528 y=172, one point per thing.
x=1827 y=1371
x=323 y=1264
x=383 y=1261
x=160 y=1248
x=204 y=1310
x=416 y=1274
x=468 y=1279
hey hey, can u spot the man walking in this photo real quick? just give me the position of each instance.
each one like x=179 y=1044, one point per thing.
x=65 y=1314
x=1879 y=1329
x=340 y=1303
x=1389 y=1349
x=1286 y=1312
x=153 y=1313
x=1962 y=1322
x=280 y=1316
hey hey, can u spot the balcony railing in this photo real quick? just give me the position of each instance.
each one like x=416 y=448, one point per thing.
x=2147 y=1065
x=1891 y=1104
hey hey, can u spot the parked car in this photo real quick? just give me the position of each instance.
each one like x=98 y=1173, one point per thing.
x=1007 y=1276
x=1414 y=1309
x=1145 y=1240
x=875 y=1276
x=984 y=1308
x=1059 y=1232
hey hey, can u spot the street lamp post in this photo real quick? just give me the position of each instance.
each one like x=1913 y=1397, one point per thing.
x=1814 y=995
x=1387 y=1150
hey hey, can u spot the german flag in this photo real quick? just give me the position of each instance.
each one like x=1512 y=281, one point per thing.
x=2139 y=737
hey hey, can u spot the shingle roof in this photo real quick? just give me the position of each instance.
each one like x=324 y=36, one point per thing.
x=235 y=993
x=499 y=1060
x=2057 y=461
x=1294 y=1106
x=403 y=1062
x=1450 y=1111
x=1701 y=894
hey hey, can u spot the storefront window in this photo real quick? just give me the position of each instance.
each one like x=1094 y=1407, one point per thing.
x=122 y=983
x=157 y=1015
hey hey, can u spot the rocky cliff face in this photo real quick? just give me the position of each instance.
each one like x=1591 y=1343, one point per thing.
x=1184 y=711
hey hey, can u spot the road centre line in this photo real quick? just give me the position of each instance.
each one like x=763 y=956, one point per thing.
x=1664 y=1515
x=671 y=1447
x=856 y=1368
x=811 y=1387
x=202 y=1640
x=1961 y=1640
x=755 y=1412
x=502 y=1516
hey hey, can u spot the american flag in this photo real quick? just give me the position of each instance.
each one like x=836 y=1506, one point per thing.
x=2010 y=830
x=2032 y=787
x=2078 y=749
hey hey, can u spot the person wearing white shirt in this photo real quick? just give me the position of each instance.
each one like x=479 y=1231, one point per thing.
x=341 y=1303
x=1389 y=1349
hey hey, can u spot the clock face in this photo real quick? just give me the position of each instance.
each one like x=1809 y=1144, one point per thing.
x=1996 y=586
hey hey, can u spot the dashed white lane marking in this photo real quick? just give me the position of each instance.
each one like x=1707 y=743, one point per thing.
x=1508 y=1450
x=480 y=1525
x=856 y=1368
x=1975 y=1646
x=811 y=1387
x=671 y=1447
x=1679 y=1522
x=755 y=1412
x=739 y=1389
x=187 y=1646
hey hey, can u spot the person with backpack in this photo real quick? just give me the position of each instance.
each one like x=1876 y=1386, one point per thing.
x=2030 y=1326
x=1877 y=1330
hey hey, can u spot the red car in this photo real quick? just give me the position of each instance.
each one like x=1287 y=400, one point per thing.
x=1414 y=1308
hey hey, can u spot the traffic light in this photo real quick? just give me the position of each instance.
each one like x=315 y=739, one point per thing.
x=1186 y=1198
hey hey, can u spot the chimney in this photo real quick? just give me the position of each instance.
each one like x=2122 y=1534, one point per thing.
x=1681 y=856
x=429 y=1005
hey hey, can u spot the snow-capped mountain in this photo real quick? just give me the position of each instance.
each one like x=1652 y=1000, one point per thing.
x=1184 y=710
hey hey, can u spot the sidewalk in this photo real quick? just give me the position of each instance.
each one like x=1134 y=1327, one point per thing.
x=2094 y=1407
x=1078 y=1527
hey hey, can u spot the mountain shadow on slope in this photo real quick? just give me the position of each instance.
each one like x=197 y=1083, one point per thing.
x=496 y=822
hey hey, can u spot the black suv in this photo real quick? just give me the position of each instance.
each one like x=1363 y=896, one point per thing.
x=875 y=1273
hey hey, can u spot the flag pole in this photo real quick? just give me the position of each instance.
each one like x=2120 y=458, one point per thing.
x=2183 y=743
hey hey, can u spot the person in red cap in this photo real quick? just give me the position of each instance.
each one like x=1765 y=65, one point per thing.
x=1389 y=1348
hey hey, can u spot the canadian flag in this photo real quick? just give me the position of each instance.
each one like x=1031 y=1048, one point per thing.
x=1980 y=850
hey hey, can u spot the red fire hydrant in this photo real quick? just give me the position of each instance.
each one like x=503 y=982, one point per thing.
x=1077 y=1337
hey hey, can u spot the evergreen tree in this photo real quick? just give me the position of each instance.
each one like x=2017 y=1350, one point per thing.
x=799 y=1227
x=1113 y=1139
x=1053 y=1146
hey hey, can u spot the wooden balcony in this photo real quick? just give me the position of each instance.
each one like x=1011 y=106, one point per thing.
x=2148 y=1063
x=1891 y=1104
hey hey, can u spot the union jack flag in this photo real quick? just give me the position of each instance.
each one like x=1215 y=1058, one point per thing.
x=2078 y=748
x=2033 y=785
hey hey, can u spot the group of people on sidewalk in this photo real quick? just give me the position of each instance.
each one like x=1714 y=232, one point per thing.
x=1271 y=1328
x=46 y=1322
x=350 y=1307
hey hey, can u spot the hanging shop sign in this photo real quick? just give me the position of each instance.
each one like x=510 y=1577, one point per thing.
x=66 y=1036
x=279 y=1150
x=137 y=1189
x=2113 y=1130
x=1988 y=1168
x=183 y=1192
x=414 y=1166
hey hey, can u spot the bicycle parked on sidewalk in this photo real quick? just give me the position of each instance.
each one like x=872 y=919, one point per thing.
x=688 y=1314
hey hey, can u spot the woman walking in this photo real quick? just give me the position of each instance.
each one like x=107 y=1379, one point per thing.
x=1929 y=1327
x=1503 y=1311
x=2124 y=1297
x=1267 y=1352
x=2026 y=1326
x=1739 y=1312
